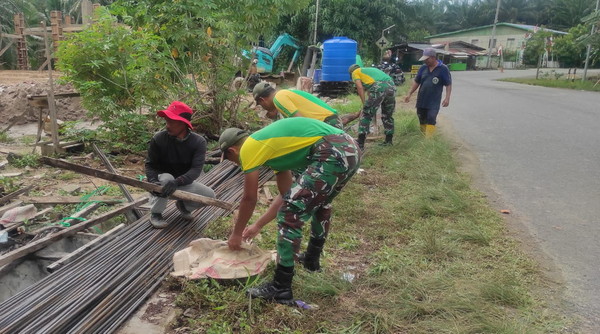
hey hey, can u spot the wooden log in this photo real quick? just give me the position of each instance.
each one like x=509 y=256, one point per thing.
x=347 y=118
x=41 y=243
x=14 y=194
x=133 y=215
x=14 y=226
x=178 y=194
x=71 y=199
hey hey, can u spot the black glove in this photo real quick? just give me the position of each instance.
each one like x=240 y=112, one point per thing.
x=168 y=189
x=155 y=193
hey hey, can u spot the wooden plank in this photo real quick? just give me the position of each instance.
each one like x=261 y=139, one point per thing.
x=70 y=199
x=133 y=215
x=7 y=45
x=14 y=194
x=178 y=194
x=79 y=251
x=2 y=35
x=41 y=243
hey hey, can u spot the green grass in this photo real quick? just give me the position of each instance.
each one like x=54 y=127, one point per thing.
x=547 y=81
x=427 y=254
x=5 y=138
x=25 y=160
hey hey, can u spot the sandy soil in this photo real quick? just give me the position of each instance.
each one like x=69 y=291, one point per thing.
x=17 y=86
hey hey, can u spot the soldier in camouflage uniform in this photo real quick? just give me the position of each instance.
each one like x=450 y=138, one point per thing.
x=382 y=92
x=329 y=157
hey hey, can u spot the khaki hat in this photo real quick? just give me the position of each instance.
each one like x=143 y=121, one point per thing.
x=262 y=89
x=205 y=258
x=429 y=52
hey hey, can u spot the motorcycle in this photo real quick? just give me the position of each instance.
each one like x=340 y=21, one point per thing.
x=394 y=71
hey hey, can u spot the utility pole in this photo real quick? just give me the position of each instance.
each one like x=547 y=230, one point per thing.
x=489 y=59
x=589 y=49
x=383 y=39
x=313 y=62
x=316 y=21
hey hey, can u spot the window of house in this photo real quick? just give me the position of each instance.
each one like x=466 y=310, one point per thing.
x=510 y=43
x=492 y=43
x=474 y=41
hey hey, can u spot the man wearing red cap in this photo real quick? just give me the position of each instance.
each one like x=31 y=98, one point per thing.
x=175 y=160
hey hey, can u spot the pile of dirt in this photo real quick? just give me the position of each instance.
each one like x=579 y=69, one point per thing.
x=15 y=106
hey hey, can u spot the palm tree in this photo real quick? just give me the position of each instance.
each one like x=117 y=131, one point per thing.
x=568 y=13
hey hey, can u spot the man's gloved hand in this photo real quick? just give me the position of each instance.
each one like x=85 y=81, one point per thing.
x=155 y=193
x=169 y=188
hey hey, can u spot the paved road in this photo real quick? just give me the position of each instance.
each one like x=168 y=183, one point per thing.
x=539 y=149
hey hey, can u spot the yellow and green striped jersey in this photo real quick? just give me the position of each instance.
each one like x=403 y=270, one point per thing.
x=283 y=145
x=369 y=75
x=292 y=102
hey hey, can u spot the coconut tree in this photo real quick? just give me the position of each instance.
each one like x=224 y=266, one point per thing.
x=568 y=13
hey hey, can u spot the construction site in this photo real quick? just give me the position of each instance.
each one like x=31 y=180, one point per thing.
x=72 y=258
x=413 y=248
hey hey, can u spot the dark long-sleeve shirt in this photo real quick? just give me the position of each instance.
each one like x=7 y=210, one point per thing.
x=183 y=159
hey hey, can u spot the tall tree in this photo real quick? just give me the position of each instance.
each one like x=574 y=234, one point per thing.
x=168 y=50
x=569 y=51
x=568 y=13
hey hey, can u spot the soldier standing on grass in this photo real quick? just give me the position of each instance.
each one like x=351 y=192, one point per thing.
x=294 y=103
x=382 y=92
x=175 y=160
x=328 y=157
x=431 y=79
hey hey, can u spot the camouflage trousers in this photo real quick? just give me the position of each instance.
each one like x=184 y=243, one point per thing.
x=380 y=94
x=334 y=160
x=334 y=120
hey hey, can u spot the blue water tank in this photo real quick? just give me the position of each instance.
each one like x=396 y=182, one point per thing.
x=317 y=76
x=338 y=54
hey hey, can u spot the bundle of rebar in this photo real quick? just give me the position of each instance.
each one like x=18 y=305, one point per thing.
x=100 y=290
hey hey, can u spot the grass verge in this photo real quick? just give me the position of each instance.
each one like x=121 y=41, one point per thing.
x=577 y=84
x=413 y=249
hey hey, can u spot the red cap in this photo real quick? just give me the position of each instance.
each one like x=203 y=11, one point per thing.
x=178 y=111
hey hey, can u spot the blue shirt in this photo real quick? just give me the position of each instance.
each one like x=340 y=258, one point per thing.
x=431 y=85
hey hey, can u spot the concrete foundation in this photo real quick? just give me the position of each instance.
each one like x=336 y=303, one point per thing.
x=20 y=274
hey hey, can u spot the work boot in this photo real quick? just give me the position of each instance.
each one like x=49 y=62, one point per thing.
x=280 y=290
x=157 y=220
x=388 y=140
x=185 y=214
x=361 y=140
x=429 y=131
x=310 y=259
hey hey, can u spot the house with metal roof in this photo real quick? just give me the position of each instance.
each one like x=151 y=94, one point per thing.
x=457 y=55
x=508 y=35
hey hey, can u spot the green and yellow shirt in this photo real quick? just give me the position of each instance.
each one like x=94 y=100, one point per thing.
x=292 y=102
x=369 y=75
x=283 y=145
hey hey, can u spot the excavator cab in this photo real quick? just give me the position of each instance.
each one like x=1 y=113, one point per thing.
x=265 y=58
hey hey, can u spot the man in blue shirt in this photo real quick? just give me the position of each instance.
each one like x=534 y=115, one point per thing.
x=431 y=79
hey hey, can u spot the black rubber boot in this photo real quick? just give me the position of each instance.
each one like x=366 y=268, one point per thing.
x=361 y=140
x=310 y=259
x=280 y=290
x=388 y=140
